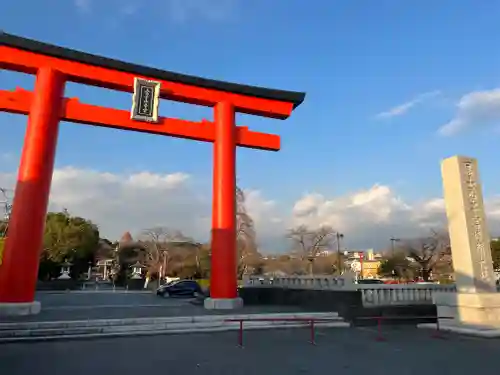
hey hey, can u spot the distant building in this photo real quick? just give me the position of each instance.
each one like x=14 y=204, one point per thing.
x=326 y=253
x=368 y=255
x=368 y=267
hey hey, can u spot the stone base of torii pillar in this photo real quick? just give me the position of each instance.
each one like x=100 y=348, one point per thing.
x=223 y=303
x=20 y=309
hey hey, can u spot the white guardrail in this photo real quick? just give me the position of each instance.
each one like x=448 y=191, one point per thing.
x=372 y=294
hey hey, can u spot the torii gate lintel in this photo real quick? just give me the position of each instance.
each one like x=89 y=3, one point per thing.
x=46 y=106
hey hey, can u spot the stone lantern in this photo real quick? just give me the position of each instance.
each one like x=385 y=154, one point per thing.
x=65 y=270
x=137 y=270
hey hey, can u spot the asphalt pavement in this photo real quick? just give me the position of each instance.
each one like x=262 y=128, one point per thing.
x=353 y=351
x=118 y=305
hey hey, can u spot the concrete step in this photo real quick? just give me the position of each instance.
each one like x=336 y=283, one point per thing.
x=158 y=320
x=148 y=326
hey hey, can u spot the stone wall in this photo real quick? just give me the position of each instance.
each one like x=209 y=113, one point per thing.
x=349 y=305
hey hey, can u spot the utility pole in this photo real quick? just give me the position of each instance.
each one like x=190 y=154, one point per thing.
x=393 y=241
x=339 y=258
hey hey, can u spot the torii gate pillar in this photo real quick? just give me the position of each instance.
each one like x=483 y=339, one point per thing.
x=46 y=107
x=19 y=269
x=223 y=283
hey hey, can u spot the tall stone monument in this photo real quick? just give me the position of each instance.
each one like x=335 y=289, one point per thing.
x=475 y=308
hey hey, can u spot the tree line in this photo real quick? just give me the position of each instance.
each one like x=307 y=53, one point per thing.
x=161 y=251
x=169 y=252
x=426 y=257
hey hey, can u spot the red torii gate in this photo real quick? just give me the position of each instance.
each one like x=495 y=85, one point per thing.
x=46 y=106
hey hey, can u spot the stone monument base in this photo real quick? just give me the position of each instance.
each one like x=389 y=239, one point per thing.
x=475 y=314
x=223 y=303
x=463 y=329
x=20 y=309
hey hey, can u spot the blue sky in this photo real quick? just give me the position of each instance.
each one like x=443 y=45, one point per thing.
x=355 y=60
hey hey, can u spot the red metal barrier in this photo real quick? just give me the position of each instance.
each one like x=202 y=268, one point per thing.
x=240 y=335
x=313 y=338
x=379 y=337
x=436 y=334
x=311 y=322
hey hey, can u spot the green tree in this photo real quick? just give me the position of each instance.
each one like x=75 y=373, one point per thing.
x=495 y=252
x=68 y=238
x=124 y=253
x=3 y=228
x=2 y=244
x=397 y=266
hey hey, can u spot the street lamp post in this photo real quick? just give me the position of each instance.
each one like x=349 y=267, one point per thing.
x=310 y=258
x=339 y=260
x=393 y=240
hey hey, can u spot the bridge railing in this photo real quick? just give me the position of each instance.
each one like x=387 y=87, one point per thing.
x=372 y=294
x=401 y=294
x=301 y=282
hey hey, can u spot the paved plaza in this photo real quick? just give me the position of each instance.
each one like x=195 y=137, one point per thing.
x=120 y=305
x=407 y=351
x=348 y=351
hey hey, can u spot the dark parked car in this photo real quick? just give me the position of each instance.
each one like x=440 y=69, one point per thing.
x=184 y=288
x=370 y=281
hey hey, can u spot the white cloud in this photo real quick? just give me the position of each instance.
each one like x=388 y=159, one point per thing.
x=130 y=9
x=177 y=10
x=6 y=157
x=212 y=10
x=123 y=7
x=402 y=109
x=368 y=218
x=477 y=108
x=120 y=202
x=83 y=6
x=132 y=202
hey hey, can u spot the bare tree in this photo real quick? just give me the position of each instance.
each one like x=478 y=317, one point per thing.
x=326 y=264
x=309 y=242
x=429 y=252
x=246 y=237
x=5 y=207
x=193 y=261
x=159 y=244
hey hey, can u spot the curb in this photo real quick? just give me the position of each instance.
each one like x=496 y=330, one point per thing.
x=155 y=320
x=82 y=329
x=467 y=331
x=173 y=331
x=90 y=291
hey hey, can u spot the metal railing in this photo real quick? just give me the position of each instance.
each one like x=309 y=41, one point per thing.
x=371 y=294
x=311 y=322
